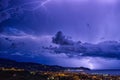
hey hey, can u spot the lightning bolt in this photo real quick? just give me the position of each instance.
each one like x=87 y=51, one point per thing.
x=45 y=2
x=38 y=4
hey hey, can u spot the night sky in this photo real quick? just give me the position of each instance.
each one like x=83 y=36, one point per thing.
x=61 y=32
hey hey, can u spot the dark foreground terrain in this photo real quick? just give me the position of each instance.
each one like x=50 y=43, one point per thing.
x=27 y=75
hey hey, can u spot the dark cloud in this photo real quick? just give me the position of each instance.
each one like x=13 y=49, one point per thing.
x=19 y=46
x=94 y=50
x=95 y=18
x=3 y=14
x=4 y=4
x=106 y=49
x=61 y=39
x=18 y=13
x=13 y=31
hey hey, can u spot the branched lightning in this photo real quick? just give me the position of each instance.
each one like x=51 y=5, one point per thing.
x=45 y=2
x=39 y=4
x=6 y=13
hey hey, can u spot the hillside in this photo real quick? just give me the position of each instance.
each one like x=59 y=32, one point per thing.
x=34 y=66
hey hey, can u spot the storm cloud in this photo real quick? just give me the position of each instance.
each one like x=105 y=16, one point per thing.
x=4 y=15
x=28 y=32
x=105 y=49
x=76 y=17
x=17 y=44
x=61 y=39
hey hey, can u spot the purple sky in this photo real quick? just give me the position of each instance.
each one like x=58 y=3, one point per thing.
x=93 y=22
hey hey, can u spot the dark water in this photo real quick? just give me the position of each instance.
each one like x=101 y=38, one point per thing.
x=110 y=72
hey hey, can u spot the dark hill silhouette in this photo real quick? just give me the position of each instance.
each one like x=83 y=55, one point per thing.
x=30 y=66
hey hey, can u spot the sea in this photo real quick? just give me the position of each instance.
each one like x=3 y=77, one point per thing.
x=104 y=72
x=101 y=72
